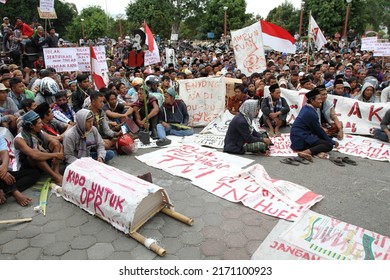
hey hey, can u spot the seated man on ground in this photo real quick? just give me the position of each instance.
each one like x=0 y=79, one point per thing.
x=241 y=137
x=52 y=129
x=62 y=110
x=149 y=123
x=84 y=140
x=383 y=133
x=307 y=135
x=116 y=111
x=14 y=182
x=328 y=117
x=109 y=136
x=172 y=118
x=275 y=110
x=233 y=103
x=8 y=109
x=32 y=149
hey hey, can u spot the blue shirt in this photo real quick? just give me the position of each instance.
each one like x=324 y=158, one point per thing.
x=18 y=101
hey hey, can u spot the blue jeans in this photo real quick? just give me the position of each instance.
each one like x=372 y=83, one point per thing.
x=162 y=131
x=381 y=135
x=109 y=155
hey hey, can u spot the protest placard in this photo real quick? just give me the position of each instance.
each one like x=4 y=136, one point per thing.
x=61 y=59
x=368 y=43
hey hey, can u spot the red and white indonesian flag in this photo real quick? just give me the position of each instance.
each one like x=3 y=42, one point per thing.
x=96 y=70
x=248 y=49
x=277 y=38
x=152 y=54
x=316 y=33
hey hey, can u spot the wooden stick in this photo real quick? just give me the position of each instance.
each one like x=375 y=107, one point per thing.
x=178 y=216
x=15 y=221
x=153 y=247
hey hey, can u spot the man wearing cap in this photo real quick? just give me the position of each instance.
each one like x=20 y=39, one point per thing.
x=307 y=135
x=8 y=109
x=172 y=118
x=275 y=110
x=305 y=83
x=32 y=149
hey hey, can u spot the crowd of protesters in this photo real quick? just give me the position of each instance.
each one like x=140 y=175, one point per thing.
x=59 y=117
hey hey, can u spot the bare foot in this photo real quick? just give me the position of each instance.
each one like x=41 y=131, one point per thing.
x=58 y=180
x=323 y=155
x=2 y=197
x=305 y=156
x=266 y=154
x=21 y=198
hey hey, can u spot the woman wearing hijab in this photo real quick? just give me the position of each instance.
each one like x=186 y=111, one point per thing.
x=241 y=137
x=84 y=140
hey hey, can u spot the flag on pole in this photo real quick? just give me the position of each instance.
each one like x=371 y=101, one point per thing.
x=316 y=33
x=152 y=54
x=96 y=70
x=277 y=38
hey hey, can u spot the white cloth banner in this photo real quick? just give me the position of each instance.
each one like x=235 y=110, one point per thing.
x=61 y=59
x=274 y=248
x=316 y=33
x=204 y=97
x=221 y=175
x=46 y=5
x=248 y=49
x=336 y=240
x=368 y=43
x=113 y=195
x=364 y=147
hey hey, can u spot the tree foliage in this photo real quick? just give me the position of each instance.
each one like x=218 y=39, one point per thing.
x=286 y=16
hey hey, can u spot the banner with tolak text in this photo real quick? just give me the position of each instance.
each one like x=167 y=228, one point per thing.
x=204 y=97
x=222 y=175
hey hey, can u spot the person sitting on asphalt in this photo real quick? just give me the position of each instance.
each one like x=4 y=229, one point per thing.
x=275 y=110
x=383 y=133
x=367 y=94
x=32 y=149
x=8 y=109
x=152 y=108
x=14 y=182
x=172 y=118
x=241 y=137
x=328 y=117
x=84 y=140
x=62 y=111
x=307 y=135
x=109 y=136
x=116 y=111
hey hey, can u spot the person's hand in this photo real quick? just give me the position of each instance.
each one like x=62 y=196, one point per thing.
x=9 y=179
x=336 y=145
x=340 y=135
x=165 y=125
x=100 y=160
x=27 y=70
x=59 y=156
x=273 y=115
x=3 y=170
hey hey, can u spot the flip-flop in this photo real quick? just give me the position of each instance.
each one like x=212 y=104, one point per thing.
x=305 y=156
x=337 y=161
x=347 y=160
x=301 y=160
x=289 y=161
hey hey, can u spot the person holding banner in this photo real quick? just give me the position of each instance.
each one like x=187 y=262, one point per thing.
x=307 y=135
x=383 y=133
x=241 y=137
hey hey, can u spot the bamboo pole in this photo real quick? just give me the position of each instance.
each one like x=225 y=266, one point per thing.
x=178 y=216
x=308 y=45
x=148 y=243
x=14 y=221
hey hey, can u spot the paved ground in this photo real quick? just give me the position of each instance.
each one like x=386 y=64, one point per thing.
x=222 y=230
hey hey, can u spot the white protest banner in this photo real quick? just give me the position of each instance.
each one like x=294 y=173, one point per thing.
x=151 y=57
x=219 y=125
x=204 y=97
x=61 y=59
x=357 y=117
x=222 y=175
x=282 y=146
x=115 y=196
x=274 y=248
x=368 y=43
x=46 y=5
x=382 y=49
x=364 y=147
x=84 y=58
x=210 y=140
x=248 y=49
x=336 y=240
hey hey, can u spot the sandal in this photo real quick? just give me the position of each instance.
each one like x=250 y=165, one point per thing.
x=305 y=156
x=337 y=161
x=301 y=160
x=347 y=160
x=289 y=161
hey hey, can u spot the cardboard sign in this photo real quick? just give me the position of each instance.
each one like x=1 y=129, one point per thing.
x=121 y=199
x=61 y=59
x=47 y=15
x=46 y=5
x=248 y=49
x=84 y=58
x=382 y=49
x=336 y=240
x=204 y=97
